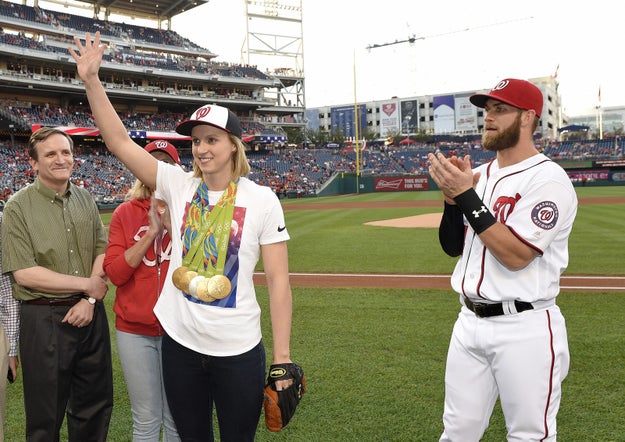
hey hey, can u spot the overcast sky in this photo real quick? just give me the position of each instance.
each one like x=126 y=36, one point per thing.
x=468 y=45
x=461 y=46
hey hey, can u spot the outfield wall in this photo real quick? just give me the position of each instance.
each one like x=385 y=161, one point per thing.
x=587 y=173
x=346 y=183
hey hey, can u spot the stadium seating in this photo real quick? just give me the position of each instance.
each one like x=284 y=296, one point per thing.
x=290 y=172
x=126 y=37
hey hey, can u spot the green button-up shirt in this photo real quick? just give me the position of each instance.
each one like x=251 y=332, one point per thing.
x=63 y=233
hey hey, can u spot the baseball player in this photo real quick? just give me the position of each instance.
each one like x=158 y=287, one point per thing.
x=509 y=221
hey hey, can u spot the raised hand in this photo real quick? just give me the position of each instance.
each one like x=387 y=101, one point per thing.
x=89 y=56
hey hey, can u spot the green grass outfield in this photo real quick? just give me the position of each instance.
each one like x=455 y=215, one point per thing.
x=374 y=359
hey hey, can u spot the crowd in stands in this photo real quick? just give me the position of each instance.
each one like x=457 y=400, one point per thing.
x=582 y=150
x=127 y=36
x=123 y=55
x=294 y=172
x=123 y=31
x=26 y=115
x=291 y=173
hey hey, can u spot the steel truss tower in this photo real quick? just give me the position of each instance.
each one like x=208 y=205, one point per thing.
x=264 y=46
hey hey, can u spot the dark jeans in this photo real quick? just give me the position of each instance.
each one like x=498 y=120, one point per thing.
x=194 y=382
x=65 y=369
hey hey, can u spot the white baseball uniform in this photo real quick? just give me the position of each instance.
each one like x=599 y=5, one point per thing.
x=520 y=357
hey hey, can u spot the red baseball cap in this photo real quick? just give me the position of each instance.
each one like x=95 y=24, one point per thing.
x=164 y=146
x=213 y=115
x=517 y=93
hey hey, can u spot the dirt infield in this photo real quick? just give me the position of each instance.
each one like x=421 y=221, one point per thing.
x=574 y=282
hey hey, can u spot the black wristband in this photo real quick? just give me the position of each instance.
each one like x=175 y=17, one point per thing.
x=475 y=211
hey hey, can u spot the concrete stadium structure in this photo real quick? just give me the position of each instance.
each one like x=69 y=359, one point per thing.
x=449 y=114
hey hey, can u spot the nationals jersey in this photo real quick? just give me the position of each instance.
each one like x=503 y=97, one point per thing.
x=537 y=202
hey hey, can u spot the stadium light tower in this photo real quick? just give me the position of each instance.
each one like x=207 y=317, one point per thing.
x=274 y=34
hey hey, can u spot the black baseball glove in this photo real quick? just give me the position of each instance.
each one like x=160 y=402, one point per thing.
x=280 y=405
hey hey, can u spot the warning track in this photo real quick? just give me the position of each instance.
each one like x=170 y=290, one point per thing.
x=359 y=280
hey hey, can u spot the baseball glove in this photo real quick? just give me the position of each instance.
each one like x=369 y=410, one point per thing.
x=280 y=405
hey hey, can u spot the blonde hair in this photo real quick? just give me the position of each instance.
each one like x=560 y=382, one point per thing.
x=138 y=191
x=240 y=165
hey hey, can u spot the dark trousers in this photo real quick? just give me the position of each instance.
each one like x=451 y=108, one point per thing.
x=66 y=370
x=194 y=382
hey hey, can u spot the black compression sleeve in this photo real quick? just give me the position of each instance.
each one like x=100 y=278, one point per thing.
x=451 y=230
x=475 y=211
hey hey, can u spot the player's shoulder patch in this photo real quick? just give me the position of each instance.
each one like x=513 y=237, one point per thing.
x=545 y=215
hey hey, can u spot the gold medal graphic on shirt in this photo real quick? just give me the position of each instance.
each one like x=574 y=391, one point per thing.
x=177 y=277
x=210 y=289
x=193 y=285
x=207 y=289
x=186 y=280
x=205 y=240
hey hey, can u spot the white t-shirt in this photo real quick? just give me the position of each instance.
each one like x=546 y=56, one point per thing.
x=230 y=326
x=537 y=202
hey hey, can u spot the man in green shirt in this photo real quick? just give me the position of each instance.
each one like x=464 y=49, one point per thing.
x=53 y=245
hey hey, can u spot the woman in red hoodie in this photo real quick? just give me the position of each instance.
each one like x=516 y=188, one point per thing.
x=136 y=261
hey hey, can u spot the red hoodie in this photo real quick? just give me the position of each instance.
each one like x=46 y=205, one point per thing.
x=137 y=288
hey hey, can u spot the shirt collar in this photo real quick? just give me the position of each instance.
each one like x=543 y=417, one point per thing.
x=47 y=192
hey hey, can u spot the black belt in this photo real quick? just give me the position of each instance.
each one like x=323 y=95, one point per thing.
x=484 y=310
x=61 y=302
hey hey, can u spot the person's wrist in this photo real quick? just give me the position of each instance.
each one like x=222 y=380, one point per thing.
x=475 y=211
x=90 y=299
x=152 y=233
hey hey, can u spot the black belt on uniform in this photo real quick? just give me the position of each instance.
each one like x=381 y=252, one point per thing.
x=484 y=310
x=61 y=302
